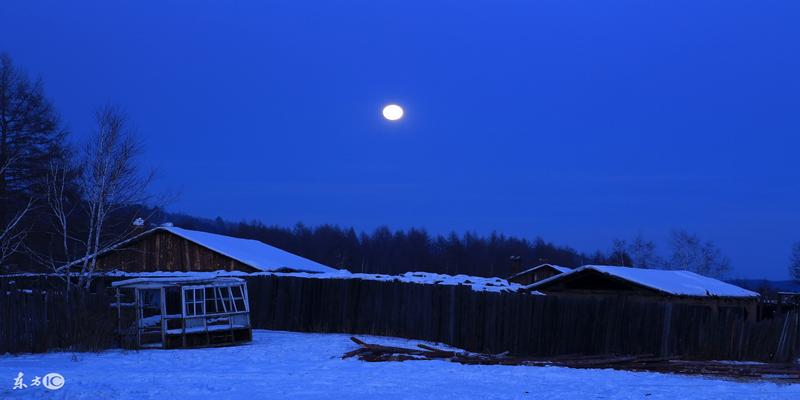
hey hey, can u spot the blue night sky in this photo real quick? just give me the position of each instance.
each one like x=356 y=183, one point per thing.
x=579 y=121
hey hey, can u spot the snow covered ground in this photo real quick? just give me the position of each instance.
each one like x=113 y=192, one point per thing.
x=288 y=365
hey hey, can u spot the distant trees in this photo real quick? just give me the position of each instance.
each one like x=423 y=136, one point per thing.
x=643 y=253
x=691 y=253
x=638 y=252
x=387 y=251
x=687 y=252
x=794 y=262
x=392 y=252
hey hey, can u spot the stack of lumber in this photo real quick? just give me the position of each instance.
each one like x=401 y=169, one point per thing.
x=642 y=362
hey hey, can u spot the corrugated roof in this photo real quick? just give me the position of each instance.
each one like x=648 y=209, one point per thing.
x=674 y=282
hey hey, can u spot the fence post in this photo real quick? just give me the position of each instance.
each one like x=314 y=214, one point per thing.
x=666 y=328
x=452 y=314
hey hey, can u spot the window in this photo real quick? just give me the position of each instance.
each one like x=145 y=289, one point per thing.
x=202 y=300
x=194 y=300
x=225 y=299
x=212 y=300
x=238 y=298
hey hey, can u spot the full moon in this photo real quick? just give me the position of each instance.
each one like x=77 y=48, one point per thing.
x=392 y=112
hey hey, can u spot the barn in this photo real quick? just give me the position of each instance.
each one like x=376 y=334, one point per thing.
x=674 y=286
x=537 y=273
x=173 y=249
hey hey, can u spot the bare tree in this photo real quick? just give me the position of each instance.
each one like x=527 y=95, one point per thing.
x=794 y=262
x=12 y=234
x=110 y=180
x=643 y=253
x=619 y=253
x=689 y=252
x=61 y=205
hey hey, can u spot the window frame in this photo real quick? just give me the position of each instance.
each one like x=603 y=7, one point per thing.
x=223 y=298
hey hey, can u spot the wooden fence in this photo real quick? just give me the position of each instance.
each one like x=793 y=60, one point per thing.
x=34 y=321
x=476 y=321
x=520 y=323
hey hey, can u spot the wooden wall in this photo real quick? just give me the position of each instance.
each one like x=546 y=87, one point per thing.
x=164 y=251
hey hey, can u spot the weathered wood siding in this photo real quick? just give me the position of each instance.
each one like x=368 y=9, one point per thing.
x=164 y=251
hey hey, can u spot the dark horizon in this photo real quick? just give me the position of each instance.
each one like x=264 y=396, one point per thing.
x=579 y=122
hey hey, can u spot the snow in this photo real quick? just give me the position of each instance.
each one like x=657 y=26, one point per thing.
x=254 y=253
x=287 y=365
x=161 y=281
x=477 y=283
x=212 y=328
x=676 y=282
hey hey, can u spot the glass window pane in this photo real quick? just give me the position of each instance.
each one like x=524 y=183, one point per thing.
x=189 y=295
x=223 y=299
x=211 y=305
x=190 y=309
x=199 y=308
x=239 y=304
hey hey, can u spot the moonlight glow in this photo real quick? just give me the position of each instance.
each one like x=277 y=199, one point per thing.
x=392 y=112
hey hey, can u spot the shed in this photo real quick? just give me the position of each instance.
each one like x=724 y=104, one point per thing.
x=169 y=248
x=537 y=273
x=179 y=312
x=660 y=284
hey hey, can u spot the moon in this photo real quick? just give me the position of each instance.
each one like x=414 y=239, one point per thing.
x=393 y=112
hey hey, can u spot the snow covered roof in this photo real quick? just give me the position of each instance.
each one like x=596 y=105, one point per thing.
x=254 y=253
x=674 y=282
x=154 y=282
x=556 y=267
x=477 y=283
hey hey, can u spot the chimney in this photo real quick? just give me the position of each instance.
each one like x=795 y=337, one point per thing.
x=138 y=225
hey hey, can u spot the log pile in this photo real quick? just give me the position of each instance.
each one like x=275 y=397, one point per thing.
x=644 y=362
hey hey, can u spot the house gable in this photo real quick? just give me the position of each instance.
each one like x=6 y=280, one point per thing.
x=162 y=250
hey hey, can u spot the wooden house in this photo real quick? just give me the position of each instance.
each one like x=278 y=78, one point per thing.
x=674 y=286
x=537 y=273
x=172 y=249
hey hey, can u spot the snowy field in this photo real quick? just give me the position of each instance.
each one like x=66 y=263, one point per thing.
x=287 y=365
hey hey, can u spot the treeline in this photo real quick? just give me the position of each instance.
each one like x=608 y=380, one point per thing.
x=389 y=251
